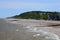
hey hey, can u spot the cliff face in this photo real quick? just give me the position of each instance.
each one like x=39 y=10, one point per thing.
x=39 y=15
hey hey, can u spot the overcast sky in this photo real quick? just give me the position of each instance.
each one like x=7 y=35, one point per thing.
x=15 y=7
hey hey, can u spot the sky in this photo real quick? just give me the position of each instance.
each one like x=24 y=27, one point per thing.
x=10 y=8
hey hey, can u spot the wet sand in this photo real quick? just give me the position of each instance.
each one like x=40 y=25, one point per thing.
x=23 y=29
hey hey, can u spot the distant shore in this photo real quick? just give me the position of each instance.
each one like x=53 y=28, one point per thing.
x=37 y=22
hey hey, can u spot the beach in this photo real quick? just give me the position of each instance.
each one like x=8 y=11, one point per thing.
x=28 y=29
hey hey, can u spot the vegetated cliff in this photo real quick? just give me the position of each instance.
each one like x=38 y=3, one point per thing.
x=39 y=15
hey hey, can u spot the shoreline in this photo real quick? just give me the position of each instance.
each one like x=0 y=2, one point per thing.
x=32 y=21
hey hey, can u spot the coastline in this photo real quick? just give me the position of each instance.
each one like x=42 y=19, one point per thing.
x=32 y=21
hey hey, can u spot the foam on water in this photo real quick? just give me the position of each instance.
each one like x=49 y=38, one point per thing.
x=17 y=30
x=42 y=34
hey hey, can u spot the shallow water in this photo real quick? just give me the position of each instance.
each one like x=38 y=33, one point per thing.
x=12 y=31
x=42 y=34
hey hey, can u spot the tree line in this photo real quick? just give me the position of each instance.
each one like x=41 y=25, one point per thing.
x=39 y=15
